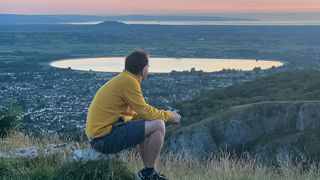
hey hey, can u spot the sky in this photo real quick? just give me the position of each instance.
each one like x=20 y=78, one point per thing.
x=108 y=7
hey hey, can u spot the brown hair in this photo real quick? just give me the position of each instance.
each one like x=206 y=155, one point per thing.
x=136 y=61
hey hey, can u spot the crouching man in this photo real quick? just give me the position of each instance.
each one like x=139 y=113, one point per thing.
x=119 y=117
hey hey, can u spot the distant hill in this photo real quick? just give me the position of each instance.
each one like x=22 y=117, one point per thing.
x=275 y=115
x=112 y=24
x=54 y=19
x=175 y=18
x=45 y=19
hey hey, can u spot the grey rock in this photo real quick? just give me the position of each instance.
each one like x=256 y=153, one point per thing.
x=22 y=152
x=90 y=154
x=275 y=130
x=32 y=151
x=196 y=143
x=58 y=148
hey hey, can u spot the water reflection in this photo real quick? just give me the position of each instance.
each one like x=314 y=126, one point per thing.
x=165 y=65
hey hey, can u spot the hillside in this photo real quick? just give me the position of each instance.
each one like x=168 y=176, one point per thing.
x=289 y=86
x=274 y=117
x=178 y=167
x=267 y=130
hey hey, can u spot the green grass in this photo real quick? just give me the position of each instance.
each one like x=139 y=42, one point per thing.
x=60 y=167
x=42 y=167
x=107 y=169
x=288 y=86
x=221 y=166
x=55 y=166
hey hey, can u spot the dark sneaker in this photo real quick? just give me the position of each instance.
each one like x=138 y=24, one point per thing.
x=161 y=176
x=156 y=175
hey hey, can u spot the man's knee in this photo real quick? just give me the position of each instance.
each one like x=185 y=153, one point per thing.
x=160 y=126
x=155 y=126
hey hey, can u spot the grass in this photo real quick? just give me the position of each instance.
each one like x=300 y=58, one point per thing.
x=16 y=140
x=222 y=166
x=55 y=166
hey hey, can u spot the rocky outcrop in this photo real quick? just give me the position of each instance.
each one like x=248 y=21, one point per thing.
x=268 y=130
x=78 y=154
x=197 y=143
x=33 y=151
x=90 y=154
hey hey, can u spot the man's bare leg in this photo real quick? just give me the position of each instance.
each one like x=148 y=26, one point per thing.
x=150 y=148
x=141 y=149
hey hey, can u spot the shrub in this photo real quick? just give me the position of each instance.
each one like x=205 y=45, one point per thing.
x=5 y=169
x=8 y=122
x=104 y=169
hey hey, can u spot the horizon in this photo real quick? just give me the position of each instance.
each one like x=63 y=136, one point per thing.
x=262 y=16
x=125 y=7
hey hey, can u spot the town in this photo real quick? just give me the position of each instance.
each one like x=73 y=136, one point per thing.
x=57 y=100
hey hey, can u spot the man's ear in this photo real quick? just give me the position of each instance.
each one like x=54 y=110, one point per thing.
x=141 y=73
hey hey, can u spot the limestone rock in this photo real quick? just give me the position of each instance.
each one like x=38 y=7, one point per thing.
x=196 y=143
x=32 y=151
x=22 y=152
x=275 y=130
x=90 y=154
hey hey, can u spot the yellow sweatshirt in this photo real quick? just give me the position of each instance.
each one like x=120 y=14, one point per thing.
x=120 y=97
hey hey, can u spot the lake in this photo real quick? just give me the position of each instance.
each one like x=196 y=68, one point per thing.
x=166 y=65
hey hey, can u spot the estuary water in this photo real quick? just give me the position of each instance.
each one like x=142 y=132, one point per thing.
x=166 y=65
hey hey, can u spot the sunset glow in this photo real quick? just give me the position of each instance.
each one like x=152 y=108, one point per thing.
x=101 y=7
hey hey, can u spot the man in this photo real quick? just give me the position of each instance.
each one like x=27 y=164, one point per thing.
x=119 y=117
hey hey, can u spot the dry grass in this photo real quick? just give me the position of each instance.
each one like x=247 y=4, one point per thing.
x=221 y=166
x=16 y=140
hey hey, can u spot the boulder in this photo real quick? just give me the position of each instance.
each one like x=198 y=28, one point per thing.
x=90 y=154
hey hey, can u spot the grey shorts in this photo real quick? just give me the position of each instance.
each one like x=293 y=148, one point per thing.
x=122 y=136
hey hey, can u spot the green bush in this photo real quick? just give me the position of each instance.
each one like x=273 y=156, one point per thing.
x=41 y=167
x=103 y=169
x=5 y=169
x=58 y=167
x=8 y=123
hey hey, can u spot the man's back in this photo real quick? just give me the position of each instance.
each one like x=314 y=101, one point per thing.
x=109 y=104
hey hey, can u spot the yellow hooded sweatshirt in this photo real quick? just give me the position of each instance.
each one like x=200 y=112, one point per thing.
x=120 y=97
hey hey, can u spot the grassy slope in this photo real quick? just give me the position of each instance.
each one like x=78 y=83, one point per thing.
x=309 y=135
x=55 y=166
x=289 y=86
x=222 y=166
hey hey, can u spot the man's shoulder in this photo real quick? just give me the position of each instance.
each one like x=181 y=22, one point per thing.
x=122 y=80
x=126 y=78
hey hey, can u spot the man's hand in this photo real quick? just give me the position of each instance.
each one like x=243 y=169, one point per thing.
x=175 y=117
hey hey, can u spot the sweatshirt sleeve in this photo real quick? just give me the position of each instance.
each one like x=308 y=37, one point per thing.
x=133 y=96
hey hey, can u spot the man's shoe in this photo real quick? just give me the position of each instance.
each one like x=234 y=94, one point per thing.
x=161 y=176
x=156 y=175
